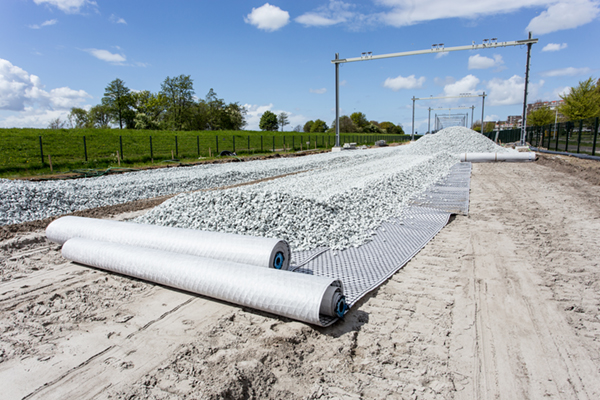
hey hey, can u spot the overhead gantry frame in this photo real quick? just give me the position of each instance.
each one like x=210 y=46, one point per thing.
x=436 y=48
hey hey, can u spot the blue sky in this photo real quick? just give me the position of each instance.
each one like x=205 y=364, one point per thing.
x=58 y=54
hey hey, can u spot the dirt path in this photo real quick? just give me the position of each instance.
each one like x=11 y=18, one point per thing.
x=503 y=304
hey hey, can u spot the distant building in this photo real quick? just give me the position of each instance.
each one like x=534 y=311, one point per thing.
x=539 y=104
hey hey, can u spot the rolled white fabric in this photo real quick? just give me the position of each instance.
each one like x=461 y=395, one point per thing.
x=252 y=250
x=293 y=295
x=495 y=157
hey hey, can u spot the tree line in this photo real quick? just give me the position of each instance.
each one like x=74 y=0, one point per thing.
x=581 y=103
x=174 y=107
x=357 y=122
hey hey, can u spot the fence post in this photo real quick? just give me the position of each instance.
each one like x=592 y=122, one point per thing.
x=217 y=137
x=121 y=147
x=176 y=147
x=568 y=130
x=85 y=149
x=579 y=137
x=233 y=143
x=557 y=135
x=151 y=151
x=198 y=144
x=42 y=151
x=248 y=142
x=595 y=137
x=273 y=143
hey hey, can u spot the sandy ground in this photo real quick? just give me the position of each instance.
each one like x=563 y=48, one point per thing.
x=502 y=304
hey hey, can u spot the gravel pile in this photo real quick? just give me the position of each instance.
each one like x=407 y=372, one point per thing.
x=22 y=201
x=325 y=208
x=331 y=174
x=456 y=140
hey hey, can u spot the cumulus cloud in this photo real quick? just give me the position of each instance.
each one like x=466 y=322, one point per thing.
x=569 y=71
x=107 y=56
x=468 y=84
x=254 y=112
x=50 y=22
x=268 y=18
x=502 y=92
x=68 y=6
x=114 y=19
x=565 y=14
x=24 y=94
x=480 y=62
x=554 y=47
x=401 y=82
x=335 y=12
x=318 y=91
x=410 y=12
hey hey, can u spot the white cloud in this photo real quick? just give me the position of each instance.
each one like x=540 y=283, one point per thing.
x=492 y=117
x=24 y=95
x=400 y=82
x=107 y=56
x=268 y=18
x=468 y=84
x=50 y=22
x=554 y=47
x=113 y=18
x=254 y=112
x=318 y=91
x=440 y=55
x=564 y=14
x=410 y=12
x=561 y=91
x=335 y=12
x=569 y=71
x=480 y=62
x=502 y=92
x=68 y=6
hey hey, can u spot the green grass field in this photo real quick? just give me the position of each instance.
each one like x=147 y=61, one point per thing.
x=21 y=154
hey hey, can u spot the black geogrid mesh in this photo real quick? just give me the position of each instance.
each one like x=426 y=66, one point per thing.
x=364 y=268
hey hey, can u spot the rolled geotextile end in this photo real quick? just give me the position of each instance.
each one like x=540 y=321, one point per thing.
x=252 y=250
x=334 y=302
x=498 y=157
x=294 y=295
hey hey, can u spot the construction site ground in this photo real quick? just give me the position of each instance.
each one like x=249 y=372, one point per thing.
x=501 y=304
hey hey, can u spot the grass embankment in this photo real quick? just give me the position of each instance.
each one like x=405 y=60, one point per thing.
x=21 y=154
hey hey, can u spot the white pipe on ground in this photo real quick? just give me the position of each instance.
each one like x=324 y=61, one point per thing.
x=498 y=157
x=252 y=250
x=299 y=296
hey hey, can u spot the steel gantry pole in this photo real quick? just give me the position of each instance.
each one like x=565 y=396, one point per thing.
x=412 y=136
x=337 y=101
x=482 y=110
x=524 y=124
x=472 y=111
x=429 y=121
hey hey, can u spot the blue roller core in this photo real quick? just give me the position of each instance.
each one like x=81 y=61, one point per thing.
x=278 y=261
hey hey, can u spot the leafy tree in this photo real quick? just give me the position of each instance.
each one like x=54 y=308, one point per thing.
x=179 y=92
x=298 y=128
x=319 y=126
x=152 y=105
x=346 y=125
x=541 y=116
x=117 y=100
x=283 y=120
x=582 y=102
x=100 y=116
x=359 y=119
x=268 y=121
x=390 y=127
x=79 y=118
x=371 y=128
x=308 y=125
x=489 y=126
x=56 y=124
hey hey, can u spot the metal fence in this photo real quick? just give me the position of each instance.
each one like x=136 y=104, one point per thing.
x=572 y=136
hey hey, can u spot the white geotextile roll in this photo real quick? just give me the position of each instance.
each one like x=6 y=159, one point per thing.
x=496 y=157
x=293 y=295
x=252 y=250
